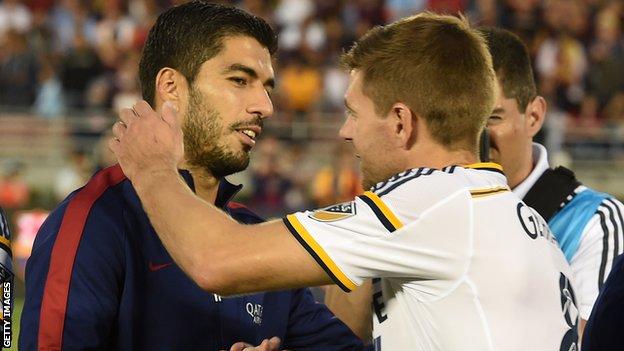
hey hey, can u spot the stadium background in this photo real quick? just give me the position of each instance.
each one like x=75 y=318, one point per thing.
x=66 y=66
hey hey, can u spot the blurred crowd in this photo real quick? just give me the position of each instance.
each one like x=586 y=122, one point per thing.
x=64 y=58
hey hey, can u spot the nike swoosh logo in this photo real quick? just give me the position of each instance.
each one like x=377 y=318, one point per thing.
x=156 y=267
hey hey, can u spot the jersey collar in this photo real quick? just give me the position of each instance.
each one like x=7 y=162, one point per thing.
x=225 y=193
x=540 y=164
x=486 y=166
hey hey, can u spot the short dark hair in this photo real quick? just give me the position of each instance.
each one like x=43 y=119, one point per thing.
x=512 y=65
x=187 y=35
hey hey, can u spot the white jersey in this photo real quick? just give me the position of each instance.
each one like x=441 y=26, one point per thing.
x=464 y=264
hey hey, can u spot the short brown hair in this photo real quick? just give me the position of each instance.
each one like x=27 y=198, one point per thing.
x=435 y=64
x=512 y=65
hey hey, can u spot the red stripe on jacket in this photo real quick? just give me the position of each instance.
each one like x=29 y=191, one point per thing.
x=56 y=290
x=235 y=205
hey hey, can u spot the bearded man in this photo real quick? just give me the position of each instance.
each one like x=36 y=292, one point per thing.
x=100 y=279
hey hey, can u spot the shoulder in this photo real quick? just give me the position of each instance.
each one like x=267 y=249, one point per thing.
x=598 y=203
x=104 y=194
x=400 y=179
x=97 y=206
x=610 y=214
x=419 y=182
x=612 y=204
x=408 y=195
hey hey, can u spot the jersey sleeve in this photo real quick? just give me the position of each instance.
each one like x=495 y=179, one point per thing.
x=74 y=278
x=366 y=239
x=311 y=326
x=602 y=241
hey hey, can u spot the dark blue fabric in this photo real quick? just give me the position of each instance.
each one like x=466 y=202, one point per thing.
x=603 y=331
x=116 y=302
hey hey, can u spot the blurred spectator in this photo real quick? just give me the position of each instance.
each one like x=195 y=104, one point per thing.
x=520 y=16
x=614 y=116
x=41 y=37
x=269 y=183
x=606 y=75
x=338 y=181
x=18 y=72
x=403 y=8
x=335 y=82
x=14 y=16
x=144 y=13
x=371 y=12
x=270 y=186
x=104 y=157
x=14 y=191
x=446 y=6
x=70 y=18
x=300 y=85
x=126 y=83
x=577 y=44
x=561 y=64
x=49 y=101
x=588 y=117
x=614 y=112
x=115 y=29
x=73 y=175
x=484 y=13
x=292 y=13
x=79 y=68
x=27 y=224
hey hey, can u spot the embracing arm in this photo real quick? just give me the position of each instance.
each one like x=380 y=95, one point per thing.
x=219 y=254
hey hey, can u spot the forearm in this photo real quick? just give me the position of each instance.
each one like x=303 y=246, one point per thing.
x=353 y=309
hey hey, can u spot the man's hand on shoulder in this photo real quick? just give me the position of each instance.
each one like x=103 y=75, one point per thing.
x=147 y=143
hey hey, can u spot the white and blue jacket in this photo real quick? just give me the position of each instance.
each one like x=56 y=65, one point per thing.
x=588 y=224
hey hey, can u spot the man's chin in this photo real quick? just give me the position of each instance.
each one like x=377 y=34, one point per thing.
x=220 y=167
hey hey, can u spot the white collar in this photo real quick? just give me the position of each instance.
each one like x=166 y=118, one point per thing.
x=540 y=165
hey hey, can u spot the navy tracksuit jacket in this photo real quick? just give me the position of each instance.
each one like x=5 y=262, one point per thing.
x=100 y=279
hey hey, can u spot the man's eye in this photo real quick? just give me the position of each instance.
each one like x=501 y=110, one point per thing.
x=239 y=81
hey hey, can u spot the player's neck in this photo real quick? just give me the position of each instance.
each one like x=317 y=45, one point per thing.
x=206 y=185
x=439 y=158
x=514 y=179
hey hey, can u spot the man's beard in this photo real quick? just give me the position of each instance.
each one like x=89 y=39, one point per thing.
x=203 y=128
x=368 y=179
x=372 y=176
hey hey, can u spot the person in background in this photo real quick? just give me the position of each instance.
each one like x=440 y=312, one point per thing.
x=587 y=224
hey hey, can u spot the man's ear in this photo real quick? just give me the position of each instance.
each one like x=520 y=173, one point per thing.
x=170 y=85
x=404 y=125
x=535 y=115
